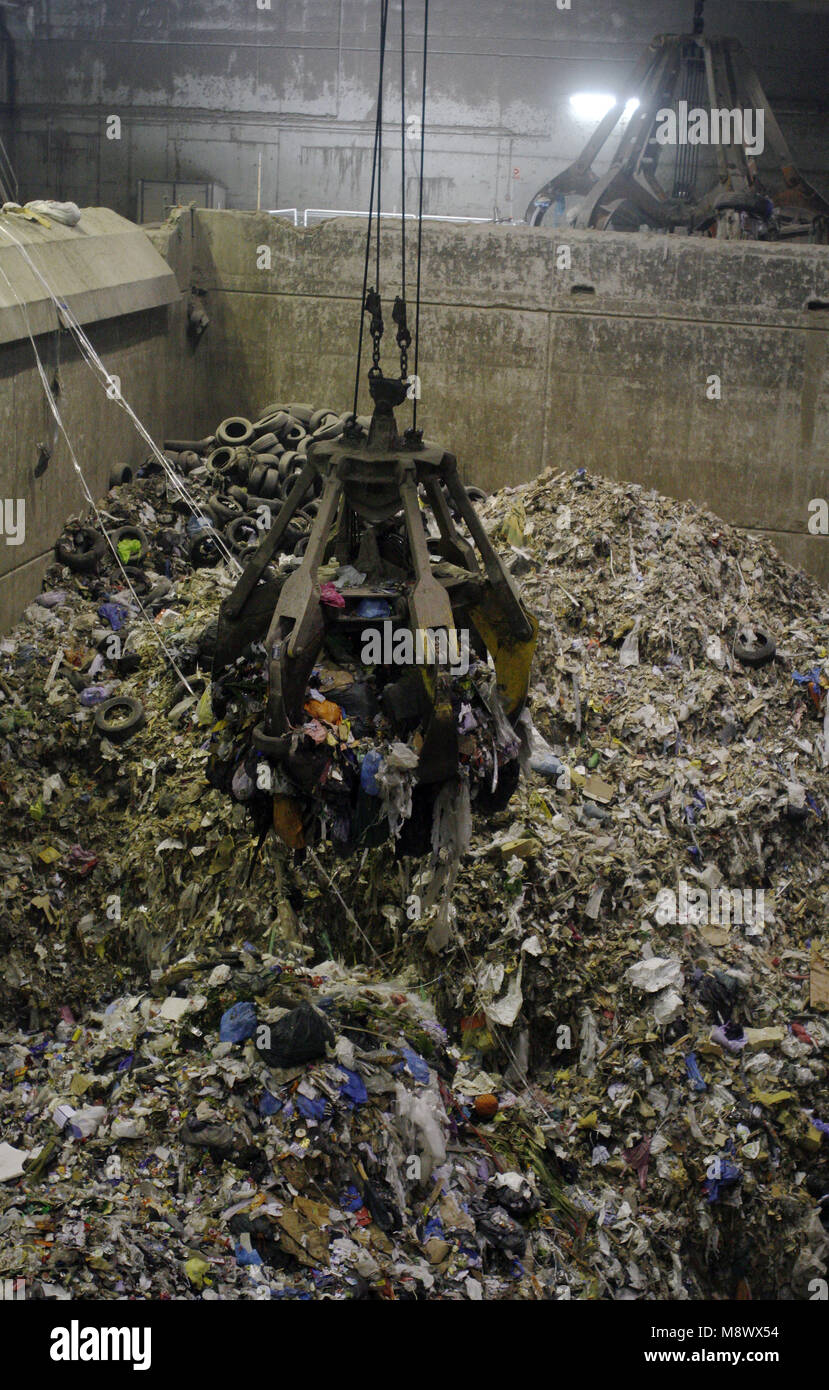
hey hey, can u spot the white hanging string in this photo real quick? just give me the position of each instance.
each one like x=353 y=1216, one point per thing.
x=53 y=405
x=94 y=362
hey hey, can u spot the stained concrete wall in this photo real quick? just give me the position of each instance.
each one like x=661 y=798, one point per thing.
x=604 y=365
x=524 y=364
x=203 y=90
x=146 y=349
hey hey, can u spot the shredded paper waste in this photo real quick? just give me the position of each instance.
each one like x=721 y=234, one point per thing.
x=574 y=1047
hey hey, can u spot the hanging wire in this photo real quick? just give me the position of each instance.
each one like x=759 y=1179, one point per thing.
x=420 y=211
x=384 y=11
x=379 y=152
x=403 y=150
x=53 y=406
x=94 y=362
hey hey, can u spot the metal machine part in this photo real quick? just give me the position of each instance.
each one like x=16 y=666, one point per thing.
x=376 y=485
x=658 y=185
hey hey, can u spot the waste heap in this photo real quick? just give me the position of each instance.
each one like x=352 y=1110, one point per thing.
x=301 y=1141
x=621 y=1092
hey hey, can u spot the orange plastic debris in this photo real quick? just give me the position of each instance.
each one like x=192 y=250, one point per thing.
x=325 y=710
x=287 y=821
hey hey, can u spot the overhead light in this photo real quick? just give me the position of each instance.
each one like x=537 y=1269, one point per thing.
x=591 y=106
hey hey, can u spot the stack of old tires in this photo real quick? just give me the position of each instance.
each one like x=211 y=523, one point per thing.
x=251 y=465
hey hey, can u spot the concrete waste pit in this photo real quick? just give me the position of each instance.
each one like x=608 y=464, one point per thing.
x=414 y=678
x=573 y=1046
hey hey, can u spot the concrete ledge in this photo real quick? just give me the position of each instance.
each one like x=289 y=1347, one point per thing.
x=102 y=268
x=527 y=361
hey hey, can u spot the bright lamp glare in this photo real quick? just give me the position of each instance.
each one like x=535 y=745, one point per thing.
x=591 y=106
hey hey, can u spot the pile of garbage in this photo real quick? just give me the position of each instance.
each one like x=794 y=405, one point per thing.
x=615 y=1004
x=249 y=1127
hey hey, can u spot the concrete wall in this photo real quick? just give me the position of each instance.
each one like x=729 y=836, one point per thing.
x=524 y=364
x=147 y=350
x=204 y=89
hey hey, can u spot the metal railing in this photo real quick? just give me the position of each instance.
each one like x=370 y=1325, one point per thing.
x=322 y=214
x=291 y=213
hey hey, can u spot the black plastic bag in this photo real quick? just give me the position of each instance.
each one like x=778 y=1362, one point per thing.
x=300 y=1036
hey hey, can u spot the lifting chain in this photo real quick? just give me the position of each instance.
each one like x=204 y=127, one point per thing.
x=374 y=307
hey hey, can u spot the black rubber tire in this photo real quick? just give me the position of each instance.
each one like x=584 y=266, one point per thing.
x=138 y=579
x=270 y=484
x=320 y=417
x=189 y=460
x=264 y=443
x=239 y=532
x=235 y=430
x=198 y=446
x=122 y=473
x=247 y=552
x=119 y=718
x=204 y=552
x=287 y=464
x=332 y=430
x=753 y=647
x=133 y=533
x=270 y=746
x=257 y=477
x=221 y=458
x=272 y=424
x=273 y=408
x=82 y=561
x=477 y=494
x=302 y=413
x=225 y=509
x=292 y=436
x=294 y=535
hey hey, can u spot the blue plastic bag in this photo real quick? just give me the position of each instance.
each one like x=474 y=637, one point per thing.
x=352 y=1088
x=368 y=772
x=238 y=1023
x=694 y=1073
x=418 y=1068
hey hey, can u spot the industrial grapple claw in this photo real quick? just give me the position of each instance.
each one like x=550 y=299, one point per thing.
x=377 y=490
